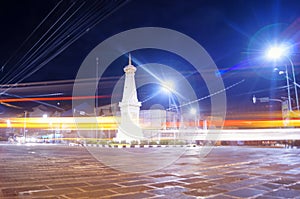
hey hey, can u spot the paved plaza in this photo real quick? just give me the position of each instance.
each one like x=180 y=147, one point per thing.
x=59 y=171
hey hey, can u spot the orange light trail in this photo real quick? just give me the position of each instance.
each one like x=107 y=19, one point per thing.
x=63 y=123
x=111 y=123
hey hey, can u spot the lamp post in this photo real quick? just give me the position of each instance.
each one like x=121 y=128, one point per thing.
x=288 y=88
x=294 y=82
x=194 y=113
x=24 y=133
x=279 y=52
x=83 y=113
x=168 y=88
x=8 y=125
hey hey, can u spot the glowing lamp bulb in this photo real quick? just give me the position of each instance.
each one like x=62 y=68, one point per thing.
x=276 y=52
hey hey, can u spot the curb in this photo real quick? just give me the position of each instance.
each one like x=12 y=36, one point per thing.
x=137 y=146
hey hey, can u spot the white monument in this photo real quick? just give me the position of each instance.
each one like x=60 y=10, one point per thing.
x=129 y=128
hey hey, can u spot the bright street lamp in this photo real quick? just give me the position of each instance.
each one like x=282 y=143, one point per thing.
x=168 y=87
x=279 y=52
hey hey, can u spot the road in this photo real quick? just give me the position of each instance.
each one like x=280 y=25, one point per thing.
x=59 y=171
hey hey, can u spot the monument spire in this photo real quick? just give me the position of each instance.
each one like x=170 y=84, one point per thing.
x=130 y=107
x=129 y=59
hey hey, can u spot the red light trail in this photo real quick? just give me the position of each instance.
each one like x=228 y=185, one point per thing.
x=53 y=98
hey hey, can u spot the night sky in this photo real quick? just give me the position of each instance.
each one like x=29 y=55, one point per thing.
x=233 y=32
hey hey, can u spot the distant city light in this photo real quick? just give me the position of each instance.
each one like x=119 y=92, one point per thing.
x=193 y=111
x=45 y=116
x=254 y=99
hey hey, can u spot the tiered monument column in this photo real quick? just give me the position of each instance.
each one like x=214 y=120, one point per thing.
x=129 y=129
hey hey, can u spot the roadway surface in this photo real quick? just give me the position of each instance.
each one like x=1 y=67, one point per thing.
x=59 y=171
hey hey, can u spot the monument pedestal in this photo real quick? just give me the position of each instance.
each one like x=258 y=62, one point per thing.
x=124 y=135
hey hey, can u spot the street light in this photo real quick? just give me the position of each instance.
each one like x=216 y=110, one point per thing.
x=168 y=87
x=194 y=113
x=8 y=125
x=24 y=133
x=276 y=53
x=284 y=106
x=265 y=99
x=295 y=83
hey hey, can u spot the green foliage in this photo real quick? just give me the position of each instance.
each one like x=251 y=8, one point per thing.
x=152 y=143
x=113 y=142
x=144 y=142
x=91 y=141
x=172 y=142
x=180 y=142
x=123 y=142
x=134 y=142
x=164 y=142
x=102 y=142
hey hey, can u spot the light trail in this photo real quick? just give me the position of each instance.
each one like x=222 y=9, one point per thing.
x=65 y=35
x=43 y=95
x=236 y=134
x=92 y=123
x=62 y=123
x=53 y=98
x=213 y=94
x=27 y=39
x=37 y=47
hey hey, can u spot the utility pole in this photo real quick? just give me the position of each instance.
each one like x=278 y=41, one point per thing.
x=97 y=81
x=24 y=133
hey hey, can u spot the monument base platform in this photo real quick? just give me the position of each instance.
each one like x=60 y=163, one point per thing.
x=128 y=138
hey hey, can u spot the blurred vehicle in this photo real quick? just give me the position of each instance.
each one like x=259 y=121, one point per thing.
x=16 y=139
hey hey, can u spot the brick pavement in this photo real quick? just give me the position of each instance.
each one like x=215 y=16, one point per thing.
x=58 y=171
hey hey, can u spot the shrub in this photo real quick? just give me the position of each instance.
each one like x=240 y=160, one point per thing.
x=164 y=142
x=134 y=142
x=102 y=142
x=144 y=142
x=153 y=143
x=91 y=141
